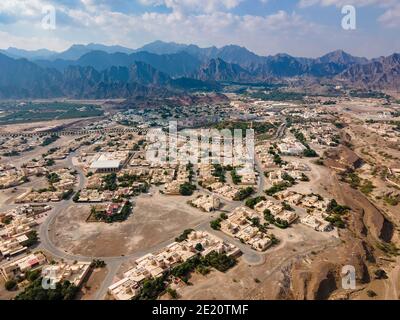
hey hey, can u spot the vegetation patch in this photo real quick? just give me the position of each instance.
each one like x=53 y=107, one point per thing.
x=187 y=189
x=46 y=111
x=282 y=186
x=153 y=288
x=244 y=194
x=336 y=213
x=63 y=291
x=103 y=216
x=184 y=235
x=251 y=203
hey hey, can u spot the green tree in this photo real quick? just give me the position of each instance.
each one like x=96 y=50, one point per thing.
x=10 y=285
x=187 y=189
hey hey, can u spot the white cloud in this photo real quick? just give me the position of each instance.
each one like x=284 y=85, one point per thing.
x=391 y=18
x=341 y=3
x=24 y=8
x=31 y=43
x=206 y=22
x=191 y=6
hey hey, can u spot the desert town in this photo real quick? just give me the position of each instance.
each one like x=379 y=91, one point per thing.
x=91 y=211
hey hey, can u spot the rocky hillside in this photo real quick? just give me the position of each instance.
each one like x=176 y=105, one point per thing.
x=100 y=70
x=382 y=73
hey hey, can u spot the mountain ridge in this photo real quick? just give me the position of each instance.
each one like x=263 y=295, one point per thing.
x=181 y=67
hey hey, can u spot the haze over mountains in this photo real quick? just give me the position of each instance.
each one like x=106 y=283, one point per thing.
x=99 y=71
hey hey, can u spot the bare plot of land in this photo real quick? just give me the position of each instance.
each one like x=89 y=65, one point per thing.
x=266 y=281
x=93 y=284
x=155 y=219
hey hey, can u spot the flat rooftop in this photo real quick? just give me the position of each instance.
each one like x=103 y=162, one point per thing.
x=104 y=164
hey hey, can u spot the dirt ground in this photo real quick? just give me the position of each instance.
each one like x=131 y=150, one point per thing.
x=319 y=175
x=4 y=294
x=145 y=228
x=39 y=125
x=265 y=281
x=93 y=284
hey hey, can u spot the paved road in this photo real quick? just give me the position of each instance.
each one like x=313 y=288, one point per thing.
x=114 y=263
x=261 y=183
x=261 y=178
x=113 y=268
x=280 y=132
x=81 y=175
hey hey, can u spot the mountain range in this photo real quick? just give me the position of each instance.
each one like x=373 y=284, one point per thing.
x=100 y=71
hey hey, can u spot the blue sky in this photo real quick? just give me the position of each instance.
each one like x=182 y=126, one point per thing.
x=298 y=27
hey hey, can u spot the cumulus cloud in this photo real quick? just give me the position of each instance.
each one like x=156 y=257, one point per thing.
x=194 y=6
x=23 y=8
x=205 y=22
x=340 y=3
x=391 y=18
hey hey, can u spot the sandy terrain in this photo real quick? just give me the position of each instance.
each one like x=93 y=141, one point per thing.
x=4 y=294
x=32 y=126
x=265 y=281
x=145 y=228
x=93 y=284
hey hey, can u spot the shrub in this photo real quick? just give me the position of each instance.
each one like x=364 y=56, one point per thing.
x=173 y=294
x=152 y=288
x=32 y=238
x=219 y=172
x=67 y=194
x=10 y=285
x=184 y=235
x=64 y=291
x=244 y=193
x=221 y=262
x=310 y=153
x=187 y=189
x=251 y=203
x=96 y=263
x=371 y=293
x=289 y=178
x=110 y=182
x=380 y=274
x=199 y=247
x=216 y=224
x=76 y=196
x=334 y=207
x=304 y=177
x=319 y=162
x=236 y=179
x=277 y=188
x=223 y=216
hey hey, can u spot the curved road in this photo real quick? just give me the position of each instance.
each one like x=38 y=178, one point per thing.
x=251 y=256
